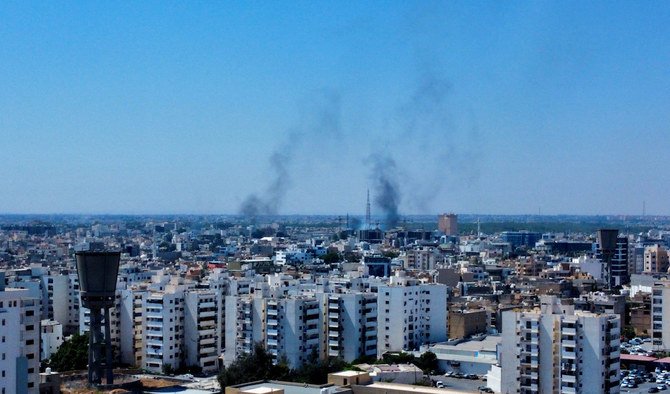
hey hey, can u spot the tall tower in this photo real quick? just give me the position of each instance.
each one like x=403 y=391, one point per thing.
x=448 y=223
x=97 y=277
x=368 y=220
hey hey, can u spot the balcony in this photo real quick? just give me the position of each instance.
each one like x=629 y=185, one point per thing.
x=569 y=378
x=568 y=343
x=569 y=331
x=313 y=331
x=272 y=342
x=568 y=355
x=207 y=350
x=272 y=332
x=333 y=344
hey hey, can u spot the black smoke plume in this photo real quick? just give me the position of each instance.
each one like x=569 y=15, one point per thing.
x=386 y=188
x=319 y=120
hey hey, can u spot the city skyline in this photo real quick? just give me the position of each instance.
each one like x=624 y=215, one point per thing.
x=300 y=108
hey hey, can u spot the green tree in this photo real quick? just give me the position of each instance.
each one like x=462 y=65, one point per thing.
x=331 y=258
x=256 y=365
x=72 y=355
x=428 y=363
x=629 y=332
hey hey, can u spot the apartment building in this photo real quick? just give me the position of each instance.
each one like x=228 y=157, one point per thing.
x=19 y=340
x=656 y=259
x=245 y=325
x=51 y=337
x=71 y=326
x=410 y=314
x=352 y=325
x=660 y=315
x=131 y=324
x=295 y=329
x=201 y=324
x=557 y=350
x=163 y=329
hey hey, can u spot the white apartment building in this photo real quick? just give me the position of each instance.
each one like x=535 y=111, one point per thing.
x=295 y=329
x=557 y=350
x=245 y=325
x=219 y=283
x=51 y=337
x=410 y=314
x=200 y=330
x=57 y=301
x=71 y=326
x=660 y=315
x=19 y=340
x=352 y=325
x=163 y=329
x=131 y=323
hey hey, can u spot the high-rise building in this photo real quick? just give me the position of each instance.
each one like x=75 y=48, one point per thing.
x=448 y=223
x=612 y=250
x=555 y=349
x=352 y=325
x=163 y=330
x=245 y=325
x=660 y=315
x=201 y=325
x=295 y=329
x=19 y=340
x=410 y=314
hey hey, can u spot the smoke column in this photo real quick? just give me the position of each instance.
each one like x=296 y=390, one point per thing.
x=319 y=120
x=386 y=189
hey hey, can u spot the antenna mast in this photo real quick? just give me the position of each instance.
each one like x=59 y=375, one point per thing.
x=368 y=221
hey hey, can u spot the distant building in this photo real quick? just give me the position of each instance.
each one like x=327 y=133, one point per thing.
x=373 y=236
x=520 y=238
x=612 y=250
x=655 y=259
x=448 y=223
x=378 y=265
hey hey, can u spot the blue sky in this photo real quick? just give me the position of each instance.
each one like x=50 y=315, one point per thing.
x=484 y=107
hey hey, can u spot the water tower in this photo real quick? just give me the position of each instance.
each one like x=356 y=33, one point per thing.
x=97 y=286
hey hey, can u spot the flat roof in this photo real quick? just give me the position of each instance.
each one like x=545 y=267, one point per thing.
x=348 y=373
x=260 y=390
x=635 y=357
x=489 y=343
x=417 y=389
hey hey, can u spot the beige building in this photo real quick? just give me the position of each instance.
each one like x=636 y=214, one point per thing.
x=655 y=259
x=448 y=223
x=468 y=322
